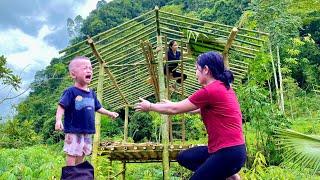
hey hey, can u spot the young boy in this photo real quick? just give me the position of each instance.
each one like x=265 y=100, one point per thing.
x=78 y=105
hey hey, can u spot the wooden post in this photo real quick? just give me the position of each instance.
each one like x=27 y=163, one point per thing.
x=125 y=138
x=126 y=121
x=162 y=92
x=225 y=52
x=280 y=82
x=96 y=137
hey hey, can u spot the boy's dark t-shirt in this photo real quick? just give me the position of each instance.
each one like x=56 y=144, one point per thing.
x=80 y=107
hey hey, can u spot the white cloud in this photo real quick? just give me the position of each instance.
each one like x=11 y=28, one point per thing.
x=27 y=54
x=34 y=51
x=86 y=8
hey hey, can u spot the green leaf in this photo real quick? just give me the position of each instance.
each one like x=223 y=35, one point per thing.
x=303 y=150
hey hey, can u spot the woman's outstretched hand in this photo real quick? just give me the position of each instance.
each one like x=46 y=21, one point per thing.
x=144 y=105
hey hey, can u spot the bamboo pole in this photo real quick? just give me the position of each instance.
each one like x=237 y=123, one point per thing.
x=96 y=137
x=128 y=28
x=125 y=43
x=151 y=71
x=217 y=24
x=162 y=93
x=127 y=39
x=108 y=31
x=167 y=83
x=125 y=132
x=280 y=81
x=231 y=38
x=183 y=125
x=210 y=28
x=192 y=29
x=126 y=120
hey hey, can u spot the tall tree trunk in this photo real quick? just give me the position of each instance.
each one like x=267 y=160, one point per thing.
x=280 y=81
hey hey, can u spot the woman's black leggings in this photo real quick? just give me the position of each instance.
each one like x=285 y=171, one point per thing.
x=216 y=166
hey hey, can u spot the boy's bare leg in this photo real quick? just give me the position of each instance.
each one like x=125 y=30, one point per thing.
x=234 y=177
x=71 y=160
x=79 y=159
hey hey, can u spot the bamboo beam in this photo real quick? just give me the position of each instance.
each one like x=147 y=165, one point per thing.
x=116 y=85
x=192 y=29
x=194 y=25
x=140 y=36
x=97 y=54
x=128 y=28
x=125 y=51
x=207 y=22
x=239 y=66
x=231 y=38
x=108 y=31
x=127 y=38
x=197 y=20
x=150 y=60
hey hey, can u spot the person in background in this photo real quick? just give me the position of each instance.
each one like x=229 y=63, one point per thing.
x=173 y=54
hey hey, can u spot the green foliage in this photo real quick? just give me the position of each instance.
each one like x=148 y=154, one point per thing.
x=140 y=126
x=273 y=17
x=37 y=162
x=224 y=11
x=15 y=134
x=301 y=149
x=264 y=118
x=111 y=128
x=260 y=170
x=7 y=77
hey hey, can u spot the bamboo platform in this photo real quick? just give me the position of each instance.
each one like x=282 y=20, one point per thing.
x=139 y=152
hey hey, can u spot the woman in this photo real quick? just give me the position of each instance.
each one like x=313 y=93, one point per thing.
x=220 y=111
x=173 y=54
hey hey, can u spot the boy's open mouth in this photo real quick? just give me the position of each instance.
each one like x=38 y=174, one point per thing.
x=88 y=76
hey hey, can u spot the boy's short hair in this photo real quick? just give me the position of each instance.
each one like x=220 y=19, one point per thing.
x=75 y=59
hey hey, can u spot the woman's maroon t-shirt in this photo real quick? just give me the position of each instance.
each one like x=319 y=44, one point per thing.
x=221 y=114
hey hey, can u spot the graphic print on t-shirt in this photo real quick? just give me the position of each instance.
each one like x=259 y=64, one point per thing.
x=84 y=102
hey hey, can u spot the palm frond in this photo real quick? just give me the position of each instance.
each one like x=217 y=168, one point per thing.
x=300 y=149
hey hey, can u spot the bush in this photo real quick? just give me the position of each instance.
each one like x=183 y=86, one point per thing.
x=16 y=134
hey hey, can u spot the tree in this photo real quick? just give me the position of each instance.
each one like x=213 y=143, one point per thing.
x=7 y=77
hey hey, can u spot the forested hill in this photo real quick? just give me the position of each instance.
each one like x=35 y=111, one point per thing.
x=293 y=25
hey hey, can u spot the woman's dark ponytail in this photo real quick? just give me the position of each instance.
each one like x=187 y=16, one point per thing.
x=214 y=61
x=227 y=78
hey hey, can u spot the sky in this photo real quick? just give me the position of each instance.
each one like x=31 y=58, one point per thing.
x=31 y=34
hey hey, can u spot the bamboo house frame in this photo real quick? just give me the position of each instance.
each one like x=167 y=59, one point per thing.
x=126 y=66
